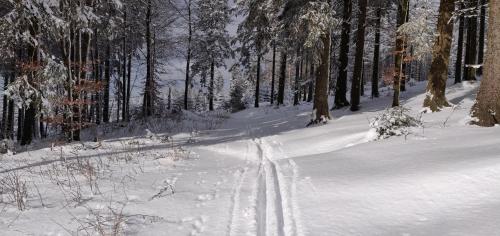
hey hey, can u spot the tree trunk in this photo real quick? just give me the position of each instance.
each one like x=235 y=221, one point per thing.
x=20 y=123
x=471 y=51
x=281 y=83
x=358 y=62
x=306 y=74
x=148 y=90
x=129 y=86
x=321 y=108
x=188 y=57
x=257 y=82
x=460 y=49
x=296 y=89
x=438 y=75
x=376 y=55
x=28 y=124
x=310 y=91
x=341 y=85
x=97 y=79
x=398 y=68
x=273 y=76
x=405 y=77
x=482 y=33
x=211 y=88
x=4 y=106
x=486 y=111
x=10 y=114
x=124 y=68
x=107 y=81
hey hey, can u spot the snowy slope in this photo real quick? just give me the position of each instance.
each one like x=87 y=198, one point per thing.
x=263 y=173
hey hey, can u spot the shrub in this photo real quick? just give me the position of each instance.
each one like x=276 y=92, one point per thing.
x=394 y=122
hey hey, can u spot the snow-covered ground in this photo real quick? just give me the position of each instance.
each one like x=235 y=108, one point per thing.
x=262 y=172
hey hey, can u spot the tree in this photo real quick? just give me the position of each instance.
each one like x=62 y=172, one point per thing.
x=471 y=50
x=460 y=49
x=212 y=40
x=282 y=79
x=358 y=61
x=403 y=6
x=486 y=110
x=188 y=53
x=147 y=103
x=482 y=34
x=273 y=73
x=438 y=75
x=254 y=35
x=376 y=53
x=341 y=85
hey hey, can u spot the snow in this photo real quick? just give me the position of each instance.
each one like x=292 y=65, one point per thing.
x=262 y=172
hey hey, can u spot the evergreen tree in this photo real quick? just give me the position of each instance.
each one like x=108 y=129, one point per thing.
x=212 y=41
x=254 y=35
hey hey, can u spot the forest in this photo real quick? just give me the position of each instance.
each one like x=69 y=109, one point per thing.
x=293 y=117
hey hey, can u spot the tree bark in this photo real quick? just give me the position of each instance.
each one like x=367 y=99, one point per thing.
x=438 y=75
x=460 y=49
x=341 y=85
x=358 y=62
x=486 y=111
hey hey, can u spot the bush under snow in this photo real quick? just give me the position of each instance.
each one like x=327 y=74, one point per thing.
x=394 y=122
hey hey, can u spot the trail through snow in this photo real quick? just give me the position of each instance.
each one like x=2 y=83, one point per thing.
x=263 y=173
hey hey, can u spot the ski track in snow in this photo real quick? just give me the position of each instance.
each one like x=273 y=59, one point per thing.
x=235 y=198
x=272 y=200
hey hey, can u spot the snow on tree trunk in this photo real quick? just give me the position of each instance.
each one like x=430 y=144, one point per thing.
x=486 y=111
x=438 y=75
